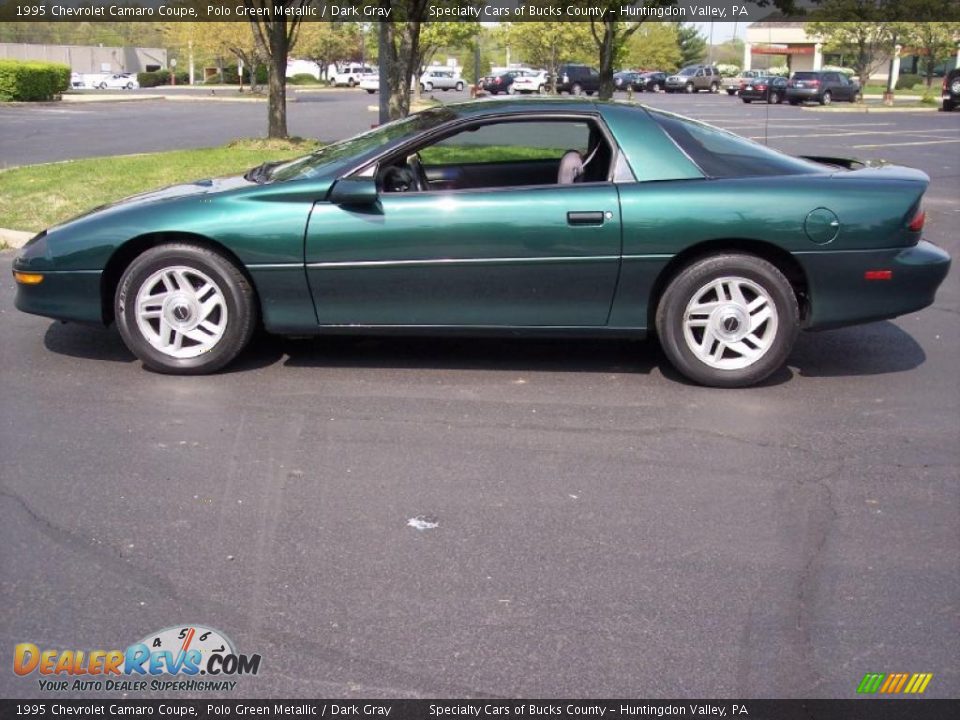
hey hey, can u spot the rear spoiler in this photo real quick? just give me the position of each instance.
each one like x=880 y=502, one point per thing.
x=871 y=169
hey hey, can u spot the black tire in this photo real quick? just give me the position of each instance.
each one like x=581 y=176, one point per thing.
x=351 y=82
x=690 y=282
x=689 y=88
x=949 y=105
x=576 y=89
x=459 y=87
x=714 y=88
x=794 y=102
x=238 y=299
x=826 y=98
x=656 y=87
x=370 y=92
x=746 y=100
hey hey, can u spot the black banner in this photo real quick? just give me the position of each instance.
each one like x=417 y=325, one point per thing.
x=863 y=709
x=477 y=10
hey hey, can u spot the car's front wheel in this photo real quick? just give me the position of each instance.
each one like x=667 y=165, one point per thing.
x=459 y=87
x=184 y=309
x=728 y=320
x=689 y=87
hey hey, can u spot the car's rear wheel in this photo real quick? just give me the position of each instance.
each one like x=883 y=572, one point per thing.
x=826 y=98
x=541 y=89
x=774 y=98
x=949 y=105
x=747 y=100
x=576 y=89
x=728 y=320
x=370 y=92
x=184 y=309
x=351 y=82
x=656 y=87
x=459 y=86
x=714 y=88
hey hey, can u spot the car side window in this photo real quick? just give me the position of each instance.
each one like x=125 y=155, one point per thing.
x=513 y=153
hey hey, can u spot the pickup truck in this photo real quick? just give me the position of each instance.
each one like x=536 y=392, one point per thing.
x=732 y=84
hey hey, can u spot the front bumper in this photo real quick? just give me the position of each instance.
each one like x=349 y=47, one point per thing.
x=841 y=295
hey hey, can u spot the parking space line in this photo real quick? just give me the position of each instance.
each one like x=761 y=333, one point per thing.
x=919 y=133
x=903 y=144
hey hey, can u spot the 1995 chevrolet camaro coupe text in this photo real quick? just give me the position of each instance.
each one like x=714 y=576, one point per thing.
x=517 y=217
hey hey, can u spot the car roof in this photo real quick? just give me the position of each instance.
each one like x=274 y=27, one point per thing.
x=510 y=106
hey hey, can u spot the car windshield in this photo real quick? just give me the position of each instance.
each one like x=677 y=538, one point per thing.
x=805 y=76
x=312 y=165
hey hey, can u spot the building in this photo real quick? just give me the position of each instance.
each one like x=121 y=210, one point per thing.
x=90 y=59
x=789 y=39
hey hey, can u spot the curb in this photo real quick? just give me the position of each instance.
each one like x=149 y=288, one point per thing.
x=14 y=238
x=79 y=99
x=868 y=110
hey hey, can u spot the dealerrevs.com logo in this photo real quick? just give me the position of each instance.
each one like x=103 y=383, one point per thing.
x=189 y=658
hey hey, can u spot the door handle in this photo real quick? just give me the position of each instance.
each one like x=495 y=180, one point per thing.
x=585 y=218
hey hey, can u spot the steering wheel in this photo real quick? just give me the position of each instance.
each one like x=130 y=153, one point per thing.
x=419 y=174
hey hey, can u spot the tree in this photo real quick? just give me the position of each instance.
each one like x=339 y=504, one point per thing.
x=654 y=47
x=934 y=42
x=275 y=32
x=325 y=43
x=548 y=44
x=401 y=52
x=867 y=43
x=863 y=30
x=693 y=45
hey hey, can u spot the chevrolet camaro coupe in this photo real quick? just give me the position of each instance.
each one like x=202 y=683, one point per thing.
x=537 y=217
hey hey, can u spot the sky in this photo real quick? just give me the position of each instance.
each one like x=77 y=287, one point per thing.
x=722 y=30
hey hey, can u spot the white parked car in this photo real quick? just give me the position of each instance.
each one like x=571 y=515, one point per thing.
x=351 y=75
x=370 y=82
x=537 y=81
x=121 y=81
x=441 y=79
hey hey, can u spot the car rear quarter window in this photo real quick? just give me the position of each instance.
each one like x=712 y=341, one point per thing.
x=722 y=154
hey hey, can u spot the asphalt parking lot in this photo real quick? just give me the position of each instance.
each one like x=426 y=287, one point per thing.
x=603 y=529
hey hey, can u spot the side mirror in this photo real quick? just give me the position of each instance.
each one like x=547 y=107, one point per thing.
x=355 y=191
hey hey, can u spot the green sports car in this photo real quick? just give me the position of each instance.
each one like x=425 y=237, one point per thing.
x=559 y=217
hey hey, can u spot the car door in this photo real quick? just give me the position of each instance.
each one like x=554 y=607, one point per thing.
x=501 y=256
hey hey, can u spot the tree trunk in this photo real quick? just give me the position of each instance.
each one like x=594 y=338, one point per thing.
x=277 y=79
x=606 y=60
x=401 y=56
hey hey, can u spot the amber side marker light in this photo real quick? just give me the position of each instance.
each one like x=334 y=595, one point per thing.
x=878 y=275
x=27 y=278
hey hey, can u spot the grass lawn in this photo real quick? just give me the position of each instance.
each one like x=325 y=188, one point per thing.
x=36 y=196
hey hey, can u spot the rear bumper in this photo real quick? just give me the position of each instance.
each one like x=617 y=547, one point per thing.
x=841 y=295
x=803 y=93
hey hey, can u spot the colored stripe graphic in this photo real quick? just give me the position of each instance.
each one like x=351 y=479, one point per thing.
x=894 y=683
x=870 y=683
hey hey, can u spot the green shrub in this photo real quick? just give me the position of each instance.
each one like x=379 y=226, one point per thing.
x=30 y=80
x=907 y=81
x=303 y=79
x=161 y=77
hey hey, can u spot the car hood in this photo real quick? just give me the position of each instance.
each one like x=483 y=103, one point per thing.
x=173 y=192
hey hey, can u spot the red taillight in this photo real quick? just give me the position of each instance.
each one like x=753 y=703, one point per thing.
x=761 y=87
x=497 y=81
x=916 y=225
x=878 y=275
x=814 y=83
